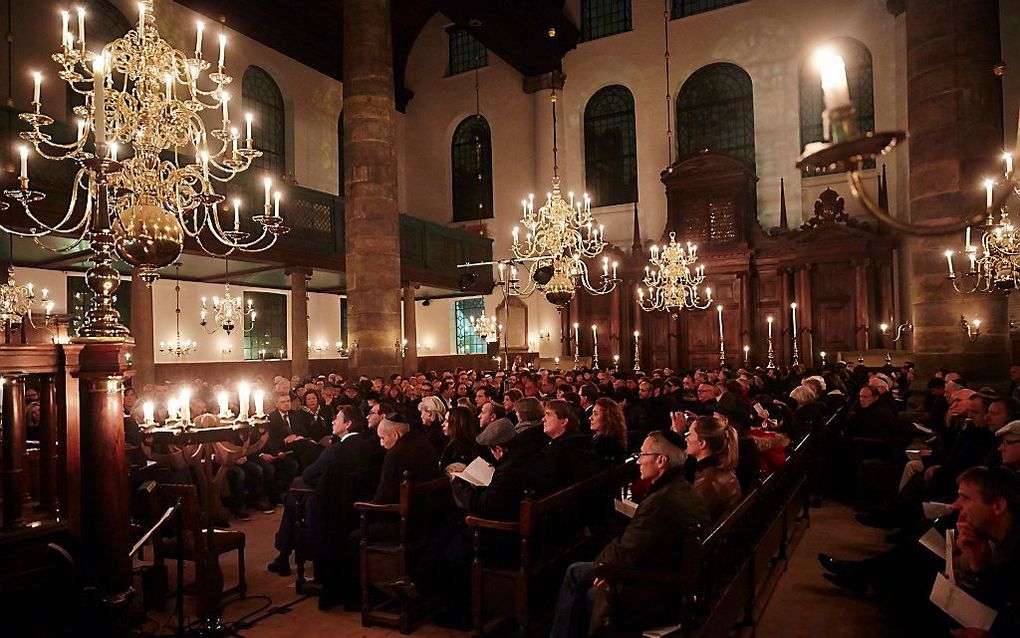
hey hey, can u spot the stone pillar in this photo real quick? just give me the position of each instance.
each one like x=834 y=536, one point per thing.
x=370 y=157
x=143 y=359
x=410 y=330
x=954 y=106
x=298 y=321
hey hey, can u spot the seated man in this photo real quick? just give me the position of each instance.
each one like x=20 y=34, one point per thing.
x=670 y=513
x=406 y=451
x=278 y=452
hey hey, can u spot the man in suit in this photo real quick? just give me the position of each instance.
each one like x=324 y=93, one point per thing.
x=277 y=455
x=295 y=432
x=589 y=395
x=670 y=513
x=406 y=451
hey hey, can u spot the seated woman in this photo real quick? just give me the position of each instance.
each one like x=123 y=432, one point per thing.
x=714 y=448
x=460 y=427
x=433 y=412
x=610 y=428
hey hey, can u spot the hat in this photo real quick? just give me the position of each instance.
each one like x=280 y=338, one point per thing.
x=733 y=407
x=1013 y=427
x=499 y=432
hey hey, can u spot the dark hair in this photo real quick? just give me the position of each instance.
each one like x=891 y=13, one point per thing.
x=355 y=417
x=563 y=410
x=996 y=482
x=462 y=424
x=590 y=392
x=572 y=398
x=498 y=410
x=1012 y=407
x=514 y=395
x=612 y=418
x=486 y=390
x=318 y=398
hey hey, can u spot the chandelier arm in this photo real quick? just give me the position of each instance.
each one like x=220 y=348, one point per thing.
x=198 y=239
x=859 y=193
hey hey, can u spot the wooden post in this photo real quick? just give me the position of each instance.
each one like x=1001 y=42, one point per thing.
x=48 y=459
x=14 y=418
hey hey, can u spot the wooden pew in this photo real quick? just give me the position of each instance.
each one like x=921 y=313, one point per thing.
x=387 y=554
x=727 y=575
x=525 y=591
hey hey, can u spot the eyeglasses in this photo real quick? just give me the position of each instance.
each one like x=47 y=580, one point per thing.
x=640 y=454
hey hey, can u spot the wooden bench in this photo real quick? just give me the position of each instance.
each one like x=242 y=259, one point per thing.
x=727 y=576
x=526 y=590
x=387 y=551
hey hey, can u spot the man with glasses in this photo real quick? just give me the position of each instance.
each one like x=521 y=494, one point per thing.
x=1009 y=445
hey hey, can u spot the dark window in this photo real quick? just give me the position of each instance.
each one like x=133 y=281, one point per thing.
x=471 y=157
x=104 y=23
x=610 y=147
x=684 y=8
x=857 y=59
x=79 y=296
x=464 y=311
x=601 y=18
x=340 y=154
x=715 y=111
x=466 y=53
x=343 y=321
x=262 y=98
x=270 y=330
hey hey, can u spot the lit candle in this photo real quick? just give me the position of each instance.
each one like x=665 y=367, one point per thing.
x=65 y=32
x=226 y=117
x=233 y=140
x=793 y=312
x=1009 y=163
x=276 y=204
x=949 y=261
x=615 y=264
x=968 y=238
x=237 y=214
x=576 y=334
x=595 y=334
x=23 y=152
x=99 y=98
x=260 y=396
x=769 y=319
x=169 y=80
x=268 y=183
x=835 y=89
x=822 y=353
x=516 y=231
x=747 y=350
x=149 y=412
x=719 y=310
x=172 y=406
x=198 y=39
x=81 y=26
x=113 y=151
x=141 y=20
x=223 y=48
x=204 y=155
x=247 y=128
x=989 y=190
x=242 y=400
x=221 y=398
x=81 y=129
x=186 y=405
x=37 y=78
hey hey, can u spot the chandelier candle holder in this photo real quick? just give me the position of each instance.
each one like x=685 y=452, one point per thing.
x=637 y=351
x=970 y=328
x=229 y=312
x=16 y=303
x=771 y=353
x=345 y=352
x=577 y=346
x=673 y=285
x=559 y=237
x=722 y=340
x=616 y=361
x=486 y=327
x=147 y=168
x=594 y=346
x=795 y=334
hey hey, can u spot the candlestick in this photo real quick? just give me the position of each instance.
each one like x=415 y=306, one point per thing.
x=822 y=353
x=577 y=347
x=796 y=352
x=65 y=33
x=186 y=405
x=113 y=151
x=237 y=214
x=747 y=350
x=771 y=363
x=260 y=396
x=81 y=26
x=149 y=412
x=169 y=89
x=949 y=261
x=247 y=128
x=594 y=346
x=989 y=191
x=722 y=342
x=268 y=183
x=226 y=116
x=276 y=204
x=200 y=27
x=221 y=398
x=1008 y=157
x=835 y=89
x=37 y=79
x=637 y=350
x=172 y=407
x=968 y=239
x=141 y=20
x=242 y=401
x=81 y=129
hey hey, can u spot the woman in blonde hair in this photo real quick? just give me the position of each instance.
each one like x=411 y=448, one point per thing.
x=713 y=445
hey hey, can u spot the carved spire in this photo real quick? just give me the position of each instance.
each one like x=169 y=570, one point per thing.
x=883 y=190
x=636 y=247
x=784 y=224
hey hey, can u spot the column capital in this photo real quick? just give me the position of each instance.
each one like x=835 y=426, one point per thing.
x=298 y=270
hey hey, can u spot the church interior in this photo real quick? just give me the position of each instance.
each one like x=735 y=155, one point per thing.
x=568 y=318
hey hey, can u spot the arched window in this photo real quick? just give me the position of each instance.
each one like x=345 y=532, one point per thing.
x=610 y=147
x=471 y=156
x=262 y=98
x=340 y=154
x=715 y=111
x=104 y=23
x=857 y=59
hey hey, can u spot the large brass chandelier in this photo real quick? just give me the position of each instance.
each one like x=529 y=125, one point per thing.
x=16 y=301
x=228 y=311
x=486 y=327
x=997 y=266
x=560 y=236
x=178 y=347
x=673 y=285
x=147 y=169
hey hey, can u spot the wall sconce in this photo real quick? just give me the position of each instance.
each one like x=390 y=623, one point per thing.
x=901 y=329
x=822 y=353
x=401 y=346
x=427 y=345
x=343 y=352
x=226 y=348
x=971 y=328
x=544 y=335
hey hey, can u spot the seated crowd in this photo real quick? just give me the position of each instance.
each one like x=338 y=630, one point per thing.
x=699 y=441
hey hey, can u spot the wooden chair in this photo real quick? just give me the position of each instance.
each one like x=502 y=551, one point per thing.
x=393 y=536
x=195 y=537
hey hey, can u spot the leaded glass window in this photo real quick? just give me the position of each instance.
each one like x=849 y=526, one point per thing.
x=610 y=147
x=340 y=154
x=601 y=18
x=471 y=157
x=466 y=53
x=857 y=59
x=684 y=8
x=270 y=330
x=715 y=112
x=262 y=98
x=464 y=310
x=104 y=23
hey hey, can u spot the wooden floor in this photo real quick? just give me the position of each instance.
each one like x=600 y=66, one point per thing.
x=804 y=605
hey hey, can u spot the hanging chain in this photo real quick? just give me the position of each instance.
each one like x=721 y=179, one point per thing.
x=669 y=110
x=556 y=165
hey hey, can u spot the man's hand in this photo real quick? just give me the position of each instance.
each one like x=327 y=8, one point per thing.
x=281 y=455
x=326 y=441
x=975 y=550
x=678 y=422
x=290 y=438
x=266 y=457
x=241 y=460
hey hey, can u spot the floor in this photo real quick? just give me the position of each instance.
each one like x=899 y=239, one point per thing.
x=821 y=608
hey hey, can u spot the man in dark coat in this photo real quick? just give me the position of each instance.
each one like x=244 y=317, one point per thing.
x=277 y=455
x=670 y=513
x=406 y=451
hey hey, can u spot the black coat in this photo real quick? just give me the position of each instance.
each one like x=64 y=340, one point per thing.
x=609 y=452
x=411 y=453
x=572 y=457
x=520 y=471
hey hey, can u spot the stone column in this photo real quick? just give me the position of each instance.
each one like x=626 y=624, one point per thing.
x=370 y=156
x=143 y=359
x=410 y=330
x=954 y=106
x=298 y=321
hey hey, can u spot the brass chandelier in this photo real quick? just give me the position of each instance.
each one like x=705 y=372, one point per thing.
x=178 y=347
x=147 y=169
x=486 y=327
x=560 y=236
x=673 y=285
x=228 y=311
